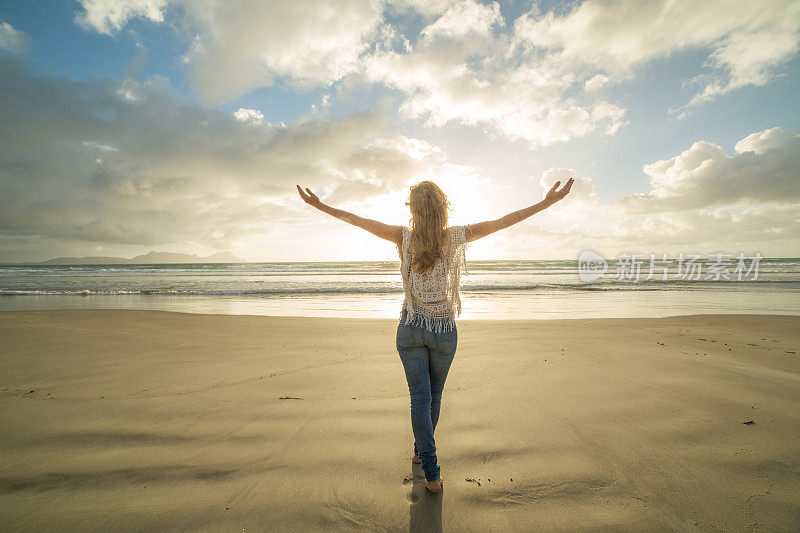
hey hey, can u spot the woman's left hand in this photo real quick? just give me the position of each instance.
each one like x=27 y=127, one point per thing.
x=309 y=197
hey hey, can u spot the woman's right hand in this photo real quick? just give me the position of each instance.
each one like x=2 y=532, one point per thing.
x=554 y=195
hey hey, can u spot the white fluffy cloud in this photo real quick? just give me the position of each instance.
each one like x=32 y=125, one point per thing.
x=253 y=116
x=108 y=16
x=238 y=48
x=460 y=70
x=763 y=169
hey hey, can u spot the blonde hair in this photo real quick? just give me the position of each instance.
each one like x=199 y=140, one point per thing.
x=429 y=206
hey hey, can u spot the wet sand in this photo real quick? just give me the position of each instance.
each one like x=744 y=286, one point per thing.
x=141 y=420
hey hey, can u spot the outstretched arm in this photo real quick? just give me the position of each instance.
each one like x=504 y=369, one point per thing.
x=379 y=229
x=482 y=229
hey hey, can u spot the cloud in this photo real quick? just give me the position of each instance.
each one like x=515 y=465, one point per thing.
x=460 y=69
x=108 y=16
x=240 y=46
x=133 y=163
x=427 y=8
x=249 y=115
x=13 y=40
x=582 y=189
x=540 y=78
x=775 y=227
x=125 y=163
x=749 y=58
x=701 y=201
x=568 y=227
x=595 y=83
x=314 y=43
x=763 y=169
x=465 y=18
x=747 y=41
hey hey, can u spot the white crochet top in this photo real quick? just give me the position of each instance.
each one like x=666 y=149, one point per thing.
x=433 y=294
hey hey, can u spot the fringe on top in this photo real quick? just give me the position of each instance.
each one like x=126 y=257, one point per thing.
x=432 y=298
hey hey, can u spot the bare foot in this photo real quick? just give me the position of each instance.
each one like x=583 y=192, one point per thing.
x=416 y=460
x=435 y=486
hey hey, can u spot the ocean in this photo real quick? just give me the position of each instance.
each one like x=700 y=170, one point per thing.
x=510 y=289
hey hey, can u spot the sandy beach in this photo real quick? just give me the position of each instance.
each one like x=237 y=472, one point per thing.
x=143 y=420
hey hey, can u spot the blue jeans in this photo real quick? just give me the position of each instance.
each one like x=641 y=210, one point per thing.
x=426 y=358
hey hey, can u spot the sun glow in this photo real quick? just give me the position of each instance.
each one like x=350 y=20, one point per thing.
x=471 y=200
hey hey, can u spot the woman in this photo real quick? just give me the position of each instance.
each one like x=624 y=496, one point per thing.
x=431 y=256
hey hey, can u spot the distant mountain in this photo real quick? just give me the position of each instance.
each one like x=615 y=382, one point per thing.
x=148 y=258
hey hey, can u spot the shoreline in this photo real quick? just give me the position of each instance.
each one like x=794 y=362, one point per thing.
x=373 y=319
x=475 y=306
x=137 y=419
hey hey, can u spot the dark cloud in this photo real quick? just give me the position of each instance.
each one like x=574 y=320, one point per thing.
x=125 y=162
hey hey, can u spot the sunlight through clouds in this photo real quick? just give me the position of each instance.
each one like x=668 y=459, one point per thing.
x=677 y=119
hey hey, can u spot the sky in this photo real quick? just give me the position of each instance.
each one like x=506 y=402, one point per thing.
x=183 y=125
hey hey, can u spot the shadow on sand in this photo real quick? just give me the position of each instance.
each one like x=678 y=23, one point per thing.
x=426 y=507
